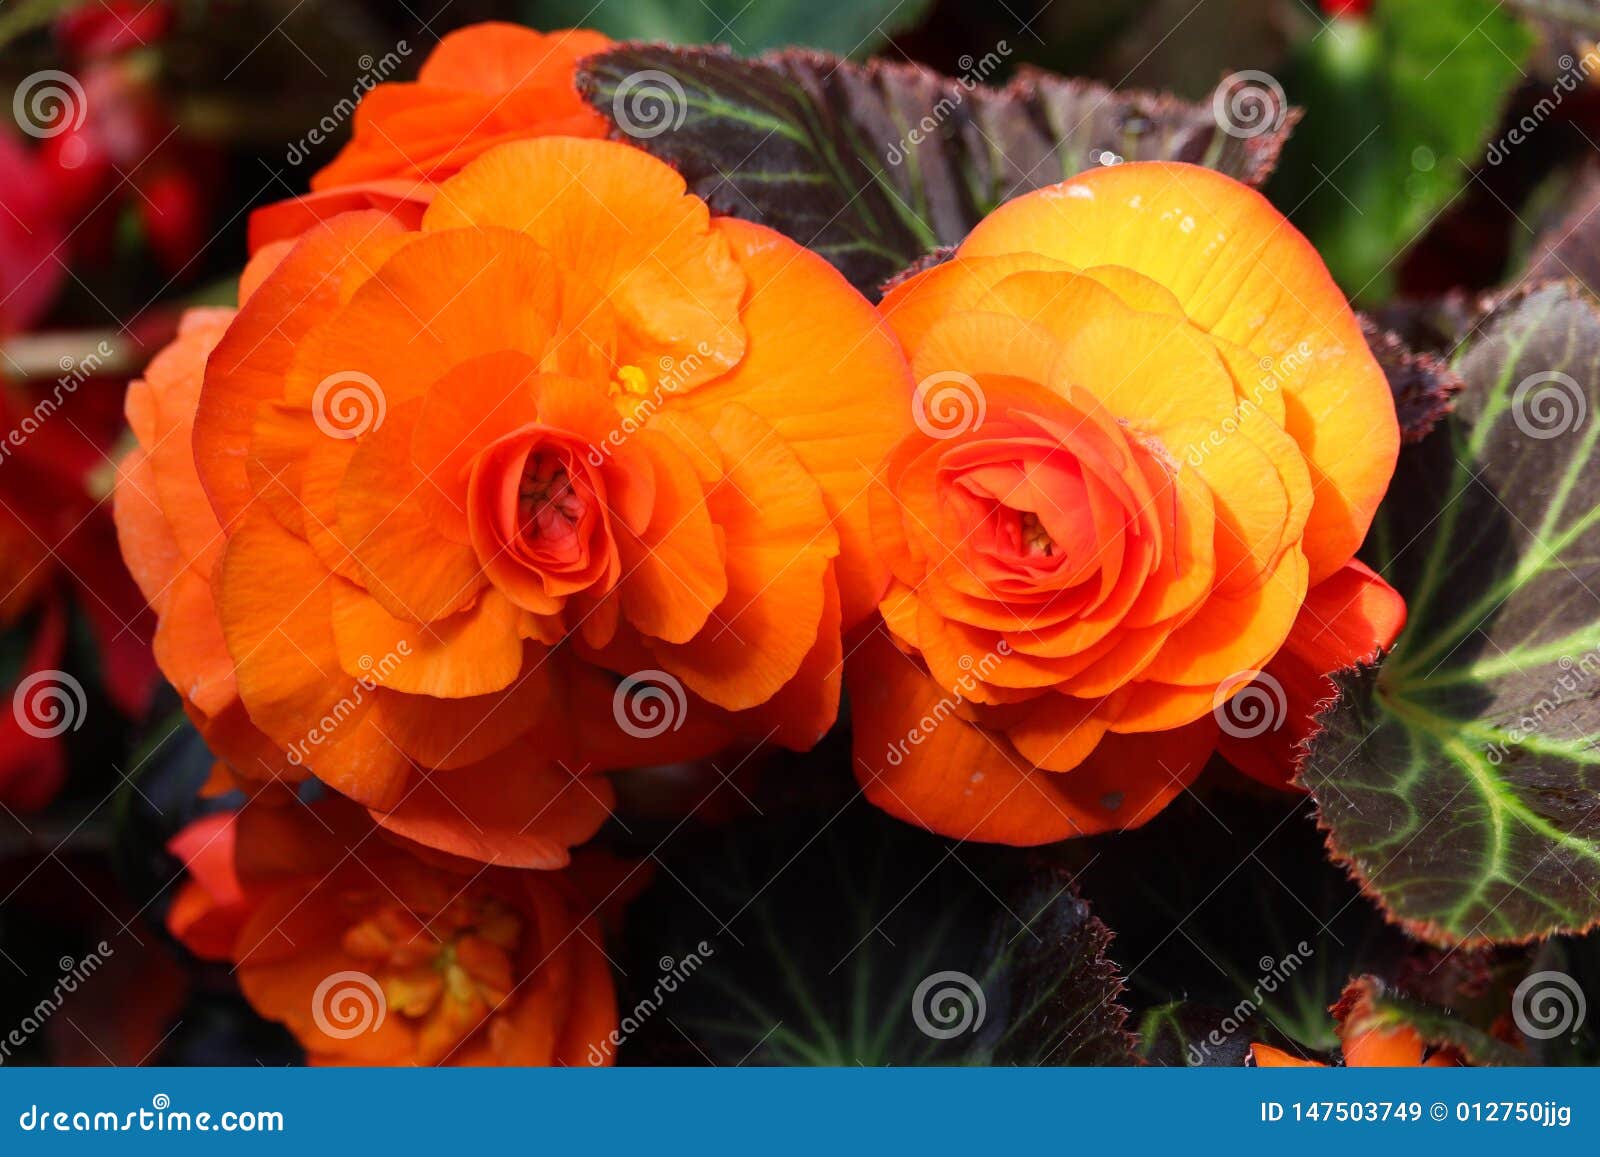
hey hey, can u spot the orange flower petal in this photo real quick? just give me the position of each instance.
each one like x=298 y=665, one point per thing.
x=288 y=664
x=1267 y=1057
x=452 y=733
x=1241 y=271
x=248 y=366
x=511 y=809
x=919 y=762
x=1346 y=619
x=674 y=570
x=441 y=299
x=408 y=566
x=481 y=86
x=825 y=372
x=621 y=225
x=402 y=200
x=779 y=546
x=476 y=652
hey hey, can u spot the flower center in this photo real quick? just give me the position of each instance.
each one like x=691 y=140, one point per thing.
x=548 y=505
x=1036 y=541
x=448 y=972
x=631 y=391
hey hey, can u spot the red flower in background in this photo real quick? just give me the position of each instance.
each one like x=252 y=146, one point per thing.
x=115 y=154
x=110 y=27
x=109 y=154
x=57 y=553
x=32 y=229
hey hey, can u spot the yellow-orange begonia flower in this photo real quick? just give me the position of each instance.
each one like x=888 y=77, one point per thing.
x=1151 y=438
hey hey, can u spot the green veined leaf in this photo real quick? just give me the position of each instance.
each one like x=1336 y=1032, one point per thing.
x=848 y=27
x=1461 y=780
x=852 y=939
x=875 y=165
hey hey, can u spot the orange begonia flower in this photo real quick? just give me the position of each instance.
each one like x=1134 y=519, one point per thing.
x=373 y=955
x=569 y=479
x=1363 y=1041
x=1151 y=438
x=481 y=86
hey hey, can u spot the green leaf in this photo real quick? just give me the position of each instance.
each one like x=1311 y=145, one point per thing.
x=1183 y=1034
x=1059 y=991
x=852 y=939
x=1399 y=106
x=875 y=165
x=1461 y=780
x=846 y=27
x=1227 y=900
